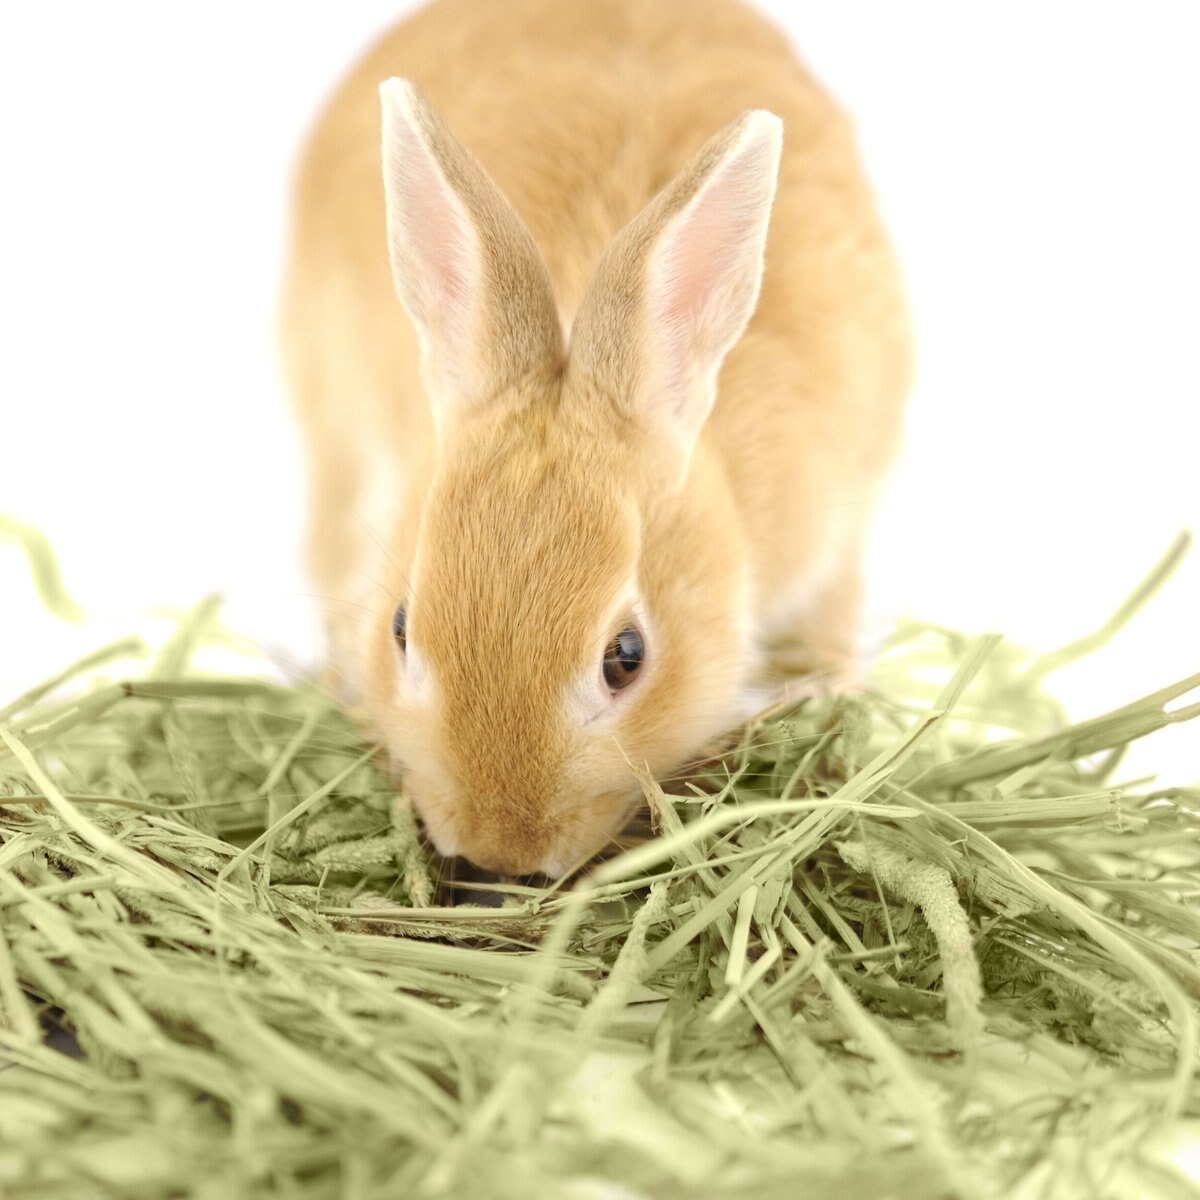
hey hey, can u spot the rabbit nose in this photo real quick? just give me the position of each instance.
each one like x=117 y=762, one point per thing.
x=505 y=861
x=505 y=847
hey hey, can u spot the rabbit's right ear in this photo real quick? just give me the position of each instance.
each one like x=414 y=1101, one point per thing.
x=674 y=291
x=465 y=266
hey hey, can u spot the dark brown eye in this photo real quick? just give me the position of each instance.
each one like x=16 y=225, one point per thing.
x=400 y=626
x=623 y=658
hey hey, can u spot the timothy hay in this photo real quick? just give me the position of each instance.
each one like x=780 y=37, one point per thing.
x=922 y=941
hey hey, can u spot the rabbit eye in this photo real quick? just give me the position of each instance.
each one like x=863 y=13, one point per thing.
x=623 y=658
x=400 y=626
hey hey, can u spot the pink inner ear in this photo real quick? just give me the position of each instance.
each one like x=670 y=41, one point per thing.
x=442 y=243
x=434 y=250
x=696 y=259
x=704 y=273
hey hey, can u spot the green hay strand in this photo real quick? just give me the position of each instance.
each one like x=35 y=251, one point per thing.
x=930 y=888
x=43 y=567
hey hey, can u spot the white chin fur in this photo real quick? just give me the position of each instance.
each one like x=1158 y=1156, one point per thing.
x=555 y=868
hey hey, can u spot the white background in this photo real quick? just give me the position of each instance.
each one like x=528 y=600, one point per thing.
x=1035 y=162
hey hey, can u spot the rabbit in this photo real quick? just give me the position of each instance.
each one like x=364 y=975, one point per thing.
x=600 y=356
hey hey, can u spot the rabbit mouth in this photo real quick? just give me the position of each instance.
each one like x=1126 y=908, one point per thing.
x=460 y=881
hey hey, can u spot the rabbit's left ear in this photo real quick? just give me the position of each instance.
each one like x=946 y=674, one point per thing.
x=679 y=283
x=465 y=266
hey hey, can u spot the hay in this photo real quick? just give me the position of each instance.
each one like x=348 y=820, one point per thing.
x=916 y=942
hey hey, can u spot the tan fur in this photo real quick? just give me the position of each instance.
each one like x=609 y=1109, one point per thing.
x=514 y=525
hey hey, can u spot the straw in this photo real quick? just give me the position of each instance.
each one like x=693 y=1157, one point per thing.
x=923 y=941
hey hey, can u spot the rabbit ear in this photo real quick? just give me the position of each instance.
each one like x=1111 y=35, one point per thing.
x=676 y=288
x=464 y=265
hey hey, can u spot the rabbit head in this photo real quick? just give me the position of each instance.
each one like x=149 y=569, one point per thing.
x=574 y=609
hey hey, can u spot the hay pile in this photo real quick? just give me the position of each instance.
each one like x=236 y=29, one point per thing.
x=918 y=942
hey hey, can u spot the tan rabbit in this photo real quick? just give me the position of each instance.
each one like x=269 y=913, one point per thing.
x=563 y=504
